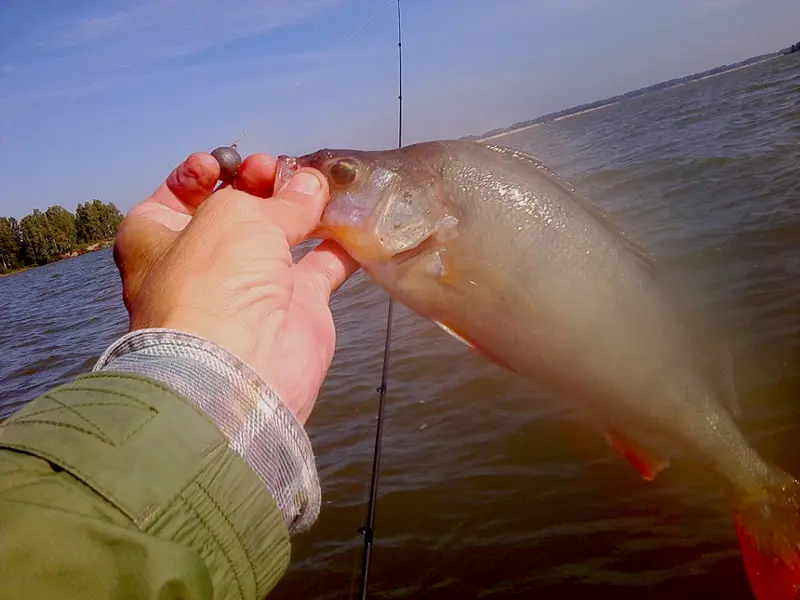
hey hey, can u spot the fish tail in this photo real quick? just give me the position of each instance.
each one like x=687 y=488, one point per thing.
x=768 y=528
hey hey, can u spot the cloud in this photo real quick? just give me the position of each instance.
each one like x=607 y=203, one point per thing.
x=69 y=57
x=286 y=73
x=93 y=29
x=168 y=28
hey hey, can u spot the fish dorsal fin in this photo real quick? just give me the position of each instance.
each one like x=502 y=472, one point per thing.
x=638 y=251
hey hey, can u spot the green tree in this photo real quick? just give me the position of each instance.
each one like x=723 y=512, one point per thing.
x=11 y=256
x=37 y=238
x=96 y=220
x=62 y=228
x=111 y=218
x=42 y=237
x=46 y=235
x=85 y=222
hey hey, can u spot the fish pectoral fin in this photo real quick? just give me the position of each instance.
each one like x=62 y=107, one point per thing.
x=642 y=460
x=457 y=336
x=473 y=346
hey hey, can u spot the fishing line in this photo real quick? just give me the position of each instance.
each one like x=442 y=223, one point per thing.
x=229 y=160
x=368 y=530
x=355 y=32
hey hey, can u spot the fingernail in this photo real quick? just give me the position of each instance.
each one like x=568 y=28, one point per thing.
x=304 y=182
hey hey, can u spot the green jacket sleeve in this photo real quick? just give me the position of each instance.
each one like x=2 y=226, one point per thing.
x=115 y=486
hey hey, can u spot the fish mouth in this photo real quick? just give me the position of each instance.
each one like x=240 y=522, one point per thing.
x=285 y=168
x=361 y=243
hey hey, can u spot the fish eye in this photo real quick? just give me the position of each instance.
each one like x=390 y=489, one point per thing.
x=343 y=172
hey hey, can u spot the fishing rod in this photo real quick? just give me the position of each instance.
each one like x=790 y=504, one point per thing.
x=368 y=530
x=229 y=161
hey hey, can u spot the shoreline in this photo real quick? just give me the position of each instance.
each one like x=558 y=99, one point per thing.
x=594 y=108
x=20 y=270
x=561 y=118
x=74 y=253
x=752 y=64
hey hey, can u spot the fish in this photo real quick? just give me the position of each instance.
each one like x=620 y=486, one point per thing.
x=509 y=258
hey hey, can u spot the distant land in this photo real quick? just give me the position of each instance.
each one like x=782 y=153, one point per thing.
x=597 y=104
x=44 y=237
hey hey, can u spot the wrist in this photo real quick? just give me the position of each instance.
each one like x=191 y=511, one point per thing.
x=258 y=425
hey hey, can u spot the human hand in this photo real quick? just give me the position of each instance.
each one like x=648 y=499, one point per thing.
x=218 y=265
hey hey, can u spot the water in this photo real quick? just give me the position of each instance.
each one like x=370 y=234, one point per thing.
x=54 y=323
x=490 y=489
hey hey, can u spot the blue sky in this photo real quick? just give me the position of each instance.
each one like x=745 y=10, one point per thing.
x=100 y=99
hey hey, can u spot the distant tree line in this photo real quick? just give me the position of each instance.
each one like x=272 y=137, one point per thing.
x=792 y=48
x=42 y=237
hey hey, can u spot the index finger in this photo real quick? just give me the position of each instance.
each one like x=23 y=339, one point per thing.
x=186 y=187
x=194 y=180
x=190 y=183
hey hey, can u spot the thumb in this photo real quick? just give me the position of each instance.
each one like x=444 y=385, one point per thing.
x=298 y=206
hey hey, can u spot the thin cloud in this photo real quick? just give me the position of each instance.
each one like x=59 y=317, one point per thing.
x=290 y=72
x=69 y=58
x=94 y=29
x=160 y=29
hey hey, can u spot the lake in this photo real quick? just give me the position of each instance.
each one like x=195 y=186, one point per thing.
x=489 y=488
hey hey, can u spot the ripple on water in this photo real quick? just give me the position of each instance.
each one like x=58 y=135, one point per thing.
x=489 y=488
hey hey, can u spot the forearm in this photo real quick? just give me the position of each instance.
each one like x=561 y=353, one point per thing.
x=172 y=464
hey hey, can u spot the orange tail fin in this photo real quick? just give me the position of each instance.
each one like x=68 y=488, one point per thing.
x=769 y=534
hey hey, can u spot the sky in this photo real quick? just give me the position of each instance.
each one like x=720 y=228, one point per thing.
x=102 y=98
